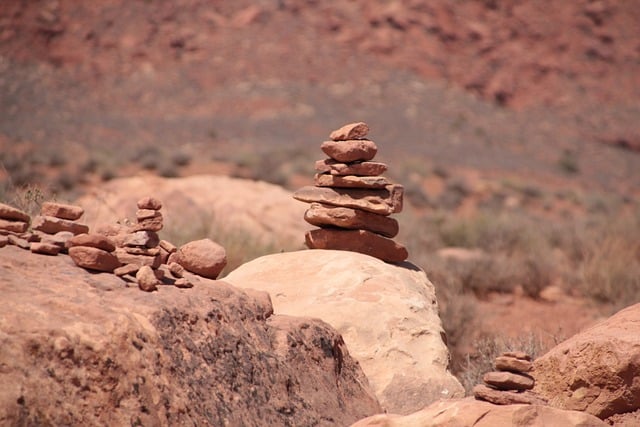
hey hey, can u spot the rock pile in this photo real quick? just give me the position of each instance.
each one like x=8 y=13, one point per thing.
x=351 y=201
x=14 y=224
x=510 y=383
x=133 y=252
x=50 y=230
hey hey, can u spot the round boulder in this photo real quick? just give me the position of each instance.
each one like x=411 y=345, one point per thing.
x=203 y=257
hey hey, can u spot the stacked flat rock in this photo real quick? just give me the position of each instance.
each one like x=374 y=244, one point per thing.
x=55 y=225
x=351 y=201
x=510 y=383
x=14 y=224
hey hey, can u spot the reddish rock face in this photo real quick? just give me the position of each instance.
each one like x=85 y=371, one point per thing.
x=203 y=257
x=209 y=356
x=596 y=371
x=361 y=241
x=60 y=210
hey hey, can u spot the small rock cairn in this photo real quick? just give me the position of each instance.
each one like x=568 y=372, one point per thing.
x=510 y=383
x=133 y=252
x=351 y=201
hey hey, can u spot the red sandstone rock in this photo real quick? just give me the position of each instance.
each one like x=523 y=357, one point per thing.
x=596 y=371
x=147 y=280
x=503 y=397
x=150 y=224
x=126 y=269
x=380 y=201
x=134 y=250
x=19 y=242
x=93 y=258
x=126 y=258
x=182 y=282
x=13 y=226
x=358 y=169
x=168 y=246
x=327 y=215
x=203 y=257
x=508 y=380
x=350 y=151
x=149 y=203
x=142 y=238
x=350 y=181
x=512 y=364
x=60 y=210
x=44 y=248
x=92 y=240
x=142 y=214
x=176 y=269
x=52 y=225
x=10 y=213
x=361 y=241
x=4 y=241
x=517 y=354
x=356 y=130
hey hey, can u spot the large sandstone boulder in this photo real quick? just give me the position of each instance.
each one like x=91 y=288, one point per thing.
x=79 y=348
x=474 y=413
x=596 y=371
x=387 y=314
x=202 y=205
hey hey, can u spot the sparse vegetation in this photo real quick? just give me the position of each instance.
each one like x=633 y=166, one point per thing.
x=487 y=349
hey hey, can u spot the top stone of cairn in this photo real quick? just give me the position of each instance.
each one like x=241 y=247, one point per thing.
x=357 y=130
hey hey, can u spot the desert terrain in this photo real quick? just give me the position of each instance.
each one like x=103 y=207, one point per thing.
x=514 y=128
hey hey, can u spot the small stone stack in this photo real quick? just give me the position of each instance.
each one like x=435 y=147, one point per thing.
x=351 y=201
x=14 y=224
x=139 y=249
x=55 y=225
x=510 y=383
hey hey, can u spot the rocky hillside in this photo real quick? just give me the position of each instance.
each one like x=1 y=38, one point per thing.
x=528 y=88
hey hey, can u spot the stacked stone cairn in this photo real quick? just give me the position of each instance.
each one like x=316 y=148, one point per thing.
x=133 y=252
x=351 y=201
x=510 y=383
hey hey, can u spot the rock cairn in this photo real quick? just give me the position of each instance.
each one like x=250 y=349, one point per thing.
x=133 y=252
x=351 y=201
x=510 y=383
